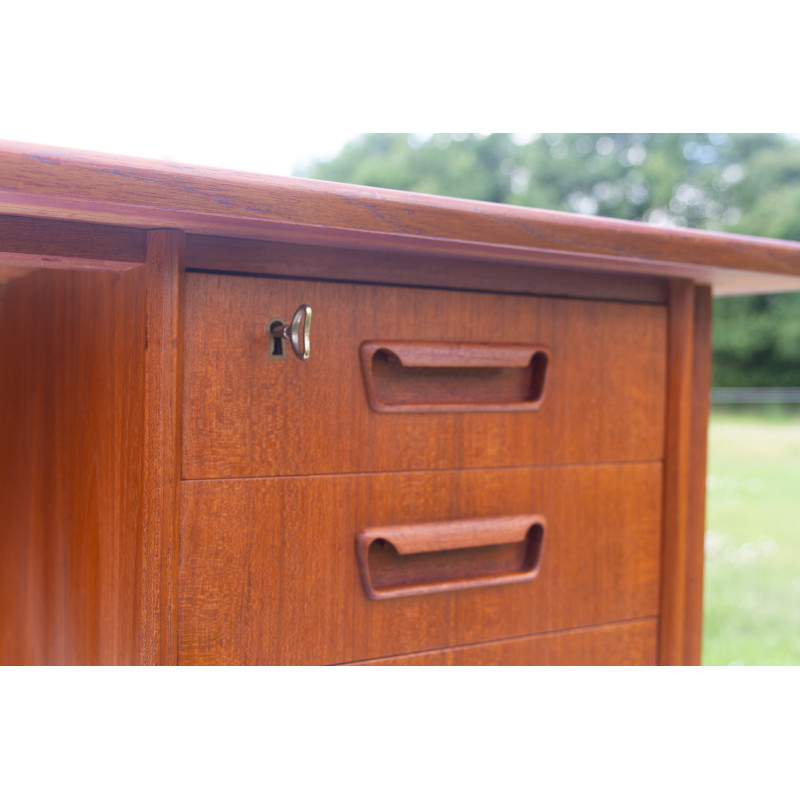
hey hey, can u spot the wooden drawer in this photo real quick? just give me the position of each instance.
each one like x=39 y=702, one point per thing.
x=623 y=644
x=247 y=415
x=269 y=570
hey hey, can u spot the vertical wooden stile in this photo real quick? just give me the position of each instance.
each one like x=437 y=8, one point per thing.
x=701 y=399
x=161 y=467
x=677 y=471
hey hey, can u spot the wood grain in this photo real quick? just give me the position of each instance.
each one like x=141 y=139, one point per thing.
x=696 y=522
x=404 y=560
x=162 y=453
x=71 y=368
x=620 y=644
x=72 y=241
x=50 y=182
x=281 y=259
x=435 y=377
x=677 y=465
x=247 y=415
x=9 y=271
x=20 y=263
x=269 y=573
x=31 y=244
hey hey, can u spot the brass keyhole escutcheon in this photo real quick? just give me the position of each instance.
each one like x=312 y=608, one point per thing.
x=297 y=333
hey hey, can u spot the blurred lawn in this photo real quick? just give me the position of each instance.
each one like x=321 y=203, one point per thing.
x=752 y=577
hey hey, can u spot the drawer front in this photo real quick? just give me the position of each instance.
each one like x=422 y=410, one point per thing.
x=402 y=379
x=269 y=568
x=622 y=644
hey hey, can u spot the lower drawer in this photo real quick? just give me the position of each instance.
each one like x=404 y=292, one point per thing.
x=270 y=572
x=623 y=644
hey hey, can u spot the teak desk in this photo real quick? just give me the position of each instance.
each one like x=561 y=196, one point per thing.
x=495 y=453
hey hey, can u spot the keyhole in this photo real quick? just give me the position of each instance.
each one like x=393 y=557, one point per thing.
x=276 y=350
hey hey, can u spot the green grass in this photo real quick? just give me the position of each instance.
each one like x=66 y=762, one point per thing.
x=752 y=576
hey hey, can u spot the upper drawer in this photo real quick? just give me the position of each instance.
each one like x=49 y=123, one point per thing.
x=377 y=350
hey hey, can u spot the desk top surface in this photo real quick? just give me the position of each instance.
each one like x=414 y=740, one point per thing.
x=52 y=183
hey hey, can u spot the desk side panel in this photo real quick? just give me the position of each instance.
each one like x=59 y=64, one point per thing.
x=71 y=372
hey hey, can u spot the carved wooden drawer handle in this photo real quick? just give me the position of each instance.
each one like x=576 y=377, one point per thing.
x=453 y=376
x=404 y=560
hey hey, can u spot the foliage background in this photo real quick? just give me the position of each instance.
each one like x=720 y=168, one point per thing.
x=739 y=182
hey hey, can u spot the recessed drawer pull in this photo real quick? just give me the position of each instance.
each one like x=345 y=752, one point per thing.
x=404 y=560
x=453 y=376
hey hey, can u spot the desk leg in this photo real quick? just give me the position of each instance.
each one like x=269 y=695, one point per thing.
x=158 y=630
x=688 y=381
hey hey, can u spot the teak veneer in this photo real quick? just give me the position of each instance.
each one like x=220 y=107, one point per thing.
x=495 y=453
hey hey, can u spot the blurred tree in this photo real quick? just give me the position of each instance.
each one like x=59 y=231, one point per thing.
x=744 y=183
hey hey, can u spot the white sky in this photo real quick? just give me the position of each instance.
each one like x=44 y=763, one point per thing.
x=273 y=152
x=231 y=84
x=196 y=83
x=267 y=87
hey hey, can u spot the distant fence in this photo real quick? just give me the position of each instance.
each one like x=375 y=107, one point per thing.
x=750 y=394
